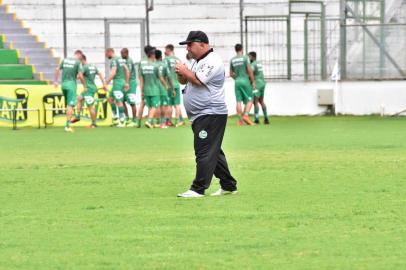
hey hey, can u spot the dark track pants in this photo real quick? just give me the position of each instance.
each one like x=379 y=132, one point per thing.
x=210 y=159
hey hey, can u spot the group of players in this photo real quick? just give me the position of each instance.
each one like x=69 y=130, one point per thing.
x=249 y=85
x=160 y=89
x=159 y=86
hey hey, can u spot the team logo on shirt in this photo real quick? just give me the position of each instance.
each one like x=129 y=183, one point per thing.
x=203 y=134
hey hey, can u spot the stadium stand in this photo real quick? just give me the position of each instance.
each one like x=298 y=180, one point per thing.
x=169 y=23
x=24 y=60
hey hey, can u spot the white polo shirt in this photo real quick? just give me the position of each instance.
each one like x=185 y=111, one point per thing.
x=208 y=98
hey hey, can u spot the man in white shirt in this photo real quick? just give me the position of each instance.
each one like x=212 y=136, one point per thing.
x=204 y=101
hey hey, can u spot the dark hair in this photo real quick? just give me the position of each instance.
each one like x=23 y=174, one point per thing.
x=158 y=54
x=151 y=51
x=84 y=57
x=147 y=49
x=79 y=52
x=238 y=47
x=124 y=50
x=170 y=47
x=253 y=54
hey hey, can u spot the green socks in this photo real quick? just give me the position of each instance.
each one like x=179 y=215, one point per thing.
x=256 y=111
x=121 y=114
x=114 y=109
x=265 y=112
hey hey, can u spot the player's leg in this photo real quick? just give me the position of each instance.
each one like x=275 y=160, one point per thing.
x=78 y=108
x=88 y=97
x=126 y=115
x=164 y=110
x=92 y=116
x=118 y=93
x=264 y=110
x=169 y=112
x=70 y=97
x=157 y=116
x=140 y=112
x=152 y=104
x=256 y=109
x=134 y=112
x=130 y=99
x=238 y=98
x=120 y=107
x=113 y=105
x=247 y=99
x=178 y=113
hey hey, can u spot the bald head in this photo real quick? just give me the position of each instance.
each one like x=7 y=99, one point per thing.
x=109 y=53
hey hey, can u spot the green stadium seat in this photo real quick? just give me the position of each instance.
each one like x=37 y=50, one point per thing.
x=23 y=82
x=16 y=72
x=8 y=56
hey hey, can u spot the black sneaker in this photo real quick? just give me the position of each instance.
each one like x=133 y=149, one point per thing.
x=256 y=121
x=75 y=119
x=266 y=121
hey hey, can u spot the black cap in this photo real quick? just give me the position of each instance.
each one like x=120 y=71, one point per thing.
x=195 y=36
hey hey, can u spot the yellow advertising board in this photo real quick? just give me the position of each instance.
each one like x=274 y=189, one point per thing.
x=33 y=105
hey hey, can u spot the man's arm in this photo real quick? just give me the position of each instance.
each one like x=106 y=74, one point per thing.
x=82 y=80
x=102 y=80
x=251 y=75
x=113 y=72
x=127 y=73
x=142 y=86
x=172 y=86
x=161 y=78
x=232 y=73
x=187 y=74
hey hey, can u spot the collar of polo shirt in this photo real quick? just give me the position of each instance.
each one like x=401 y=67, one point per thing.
x=204 y=55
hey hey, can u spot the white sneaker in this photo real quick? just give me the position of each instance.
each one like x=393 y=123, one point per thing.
x=121 y=125
x=131 y=124
x=222 y=192
x=69 y=129
x=190 y=194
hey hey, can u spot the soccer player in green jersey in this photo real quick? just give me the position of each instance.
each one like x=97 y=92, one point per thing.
x=174 y=97
x=150 y=76
x=241 y=72
x=120 y=75
x=129 y=96
x=89 y=72
x=143 y=61
x=259 y=93
x=163 y=69
x=71 y=70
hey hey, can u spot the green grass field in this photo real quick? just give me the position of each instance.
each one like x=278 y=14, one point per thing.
x=315 y=193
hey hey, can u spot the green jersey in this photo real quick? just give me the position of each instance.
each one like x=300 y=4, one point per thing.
x=70 y=68
x=119 y=63
x=171 y=62
x=258 y=70
x=89 y=72
x=150 y=73
x=238 y=65
x=131 y=66
x=163 y=70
